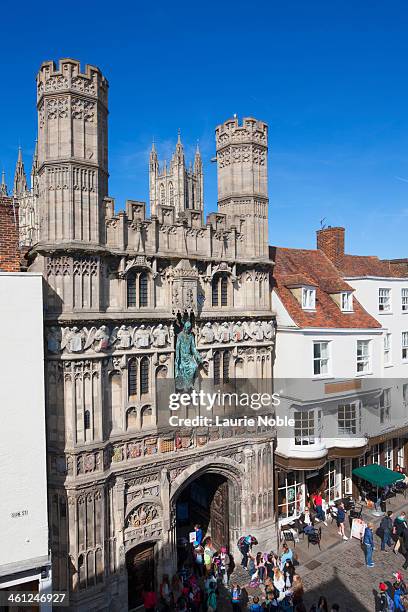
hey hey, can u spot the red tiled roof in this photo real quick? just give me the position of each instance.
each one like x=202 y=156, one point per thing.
x=315 y=265
x=334 y=284
x=298 y=280
x=367 y=265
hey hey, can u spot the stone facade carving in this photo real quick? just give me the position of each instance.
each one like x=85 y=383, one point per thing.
x=118 y=288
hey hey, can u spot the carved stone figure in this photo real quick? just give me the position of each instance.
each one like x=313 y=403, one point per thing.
x=224 y=332
x=160 y=335
x=256 y=330
x=207 y=333
x=123 y=337
x=187 y=358
x=268 y=330
x=73 y=340
x=237 y=332
x=142 y=337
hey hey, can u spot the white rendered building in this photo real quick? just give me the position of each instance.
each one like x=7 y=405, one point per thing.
x=25 y=563
x=332 y=356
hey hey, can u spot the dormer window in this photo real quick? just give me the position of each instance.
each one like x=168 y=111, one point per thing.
x=347 y=301
x=308 y=298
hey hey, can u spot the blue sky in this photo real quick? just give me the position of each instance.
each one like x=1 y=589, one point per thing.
x=330 y=79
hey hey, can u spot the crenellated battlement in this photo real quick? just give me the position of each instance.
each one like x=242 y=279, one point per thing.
x=68 y=76
x=231 y=132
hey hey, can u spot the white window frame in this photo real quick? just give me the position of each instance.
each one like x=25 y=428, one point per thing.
x=322 y=363
x=384 y=300
x=290 y=495
x=365 y=358
x=400 y=452
x=347 y=301
x=388 y=455
x=307 y=428
x=348 y=414
x=385 y=406
x=376 y=454
x=308 y=298
x=404 y=299
x=405 y=395
x=347 y=484
x=388 y=349
x=333 y=480
x=404 y=346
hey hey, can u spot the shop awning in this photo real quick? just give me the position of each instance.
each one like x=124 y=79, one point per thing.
x=378 y=475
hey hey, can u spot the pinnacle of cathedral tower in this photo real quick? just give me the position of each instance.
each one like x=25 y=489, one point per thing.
x=179 y=152
x=198 y=164
x=20 y=179
x=3 y=186
x=154 y=162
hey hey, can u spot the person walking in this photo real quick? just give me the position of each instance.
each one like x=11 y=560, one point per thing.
x=288 y=573
x=244 y=548
x=385 y=601
x=209 y=552
x=298 y=591
x=149 y=599
x=287 y=555
x=368 y=541
x=165 y=592
x=404 y=546
x=260 y=567
x=212 y=599
x=341 y=517
x=398 y=603
x=400 y=523
x=256 y=606
x=198 y=535
x=318 y=502
x=236 y=597
x=386 y=530
x=224 y=565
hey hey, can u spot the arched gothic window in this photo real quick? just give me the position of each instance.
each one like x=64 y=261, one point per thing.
x=87 y=419
x=162 y=195
x=144 y=375
x=143 y=290
x=131 y=289
x=221 y=360
x=137 y=289
x=220 y=290
x=171 y=194
x=132 y=377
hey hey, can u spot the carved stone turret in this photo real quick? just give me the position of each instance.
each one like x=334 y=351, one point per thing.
x=72 y=152
x=243 y=180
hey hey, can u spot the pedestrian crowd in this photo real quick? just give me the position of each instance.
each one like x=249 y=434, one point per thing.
x=276 y=576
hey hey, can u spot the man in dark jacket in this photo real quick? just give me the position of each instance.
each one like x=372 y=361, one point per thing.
x=404 y=547
x=386 y=529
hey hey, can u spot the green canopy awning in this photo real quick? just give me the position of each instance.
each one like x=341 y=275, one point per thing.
x=378 y=475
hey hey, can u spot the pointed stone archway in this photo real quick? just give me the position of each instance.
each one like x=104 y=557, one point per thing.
x=211 y=493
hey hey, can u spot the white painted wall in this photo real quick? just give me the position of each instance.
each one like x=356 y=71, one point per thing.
x=22 y=430
x=394 y=322
x=294 y=367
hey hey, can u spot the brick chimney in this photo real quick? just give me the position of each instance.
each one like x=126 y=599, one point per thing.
x=9 y=240
x=331 y=241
